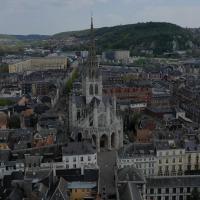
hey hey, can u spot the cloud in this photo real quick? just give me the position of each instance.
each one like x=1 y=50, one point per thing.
x=51 y=16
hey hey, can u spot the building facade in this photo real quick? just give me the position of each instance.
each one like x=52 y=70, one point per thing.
x=38 y=64
x=92 y=115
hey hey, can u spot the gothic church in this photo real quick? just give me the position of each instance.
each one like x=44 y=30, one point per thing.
x=92 y=115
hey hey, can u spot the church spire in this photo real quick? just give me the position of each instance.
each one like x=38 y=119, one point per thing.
x=92 y=60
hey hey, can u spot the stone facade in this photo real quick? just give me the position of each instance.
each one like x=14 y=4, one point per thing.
x=38 y=64
x=92 y=115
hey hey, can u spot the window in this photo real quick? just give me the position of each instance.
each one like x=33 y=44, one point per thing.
x=160 y=161
x=74 y=166
x=159 y=190
x=173 y=197
x=96 y=89
x=167 y=161
x=174 y=190
x=188 y=190
x=74 y=159
x=181 y=190
x=89 y=158
x=174 y=160
x=180 y=159
x=81 y=158
x=91 y=90
x=167 y=190
x=189 y=158
x=151 y=191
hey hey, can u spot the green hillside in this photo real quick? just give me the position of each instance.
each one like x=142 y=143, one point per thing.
x=156 y=36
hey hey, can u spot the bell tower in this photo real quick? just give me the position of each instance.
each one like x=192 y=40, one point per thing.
x=92 y=78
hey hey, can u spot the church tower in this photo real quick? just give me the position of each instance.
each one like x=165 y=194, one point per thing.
x=92 y=78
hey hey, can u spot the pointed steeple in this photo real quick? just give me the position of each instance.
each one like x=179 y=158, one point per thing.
x=91 y=76
x=92 y=59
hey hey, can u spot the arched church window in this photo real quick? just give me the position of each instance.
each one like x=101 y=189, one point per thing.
x=91 y=90
x=96 y=89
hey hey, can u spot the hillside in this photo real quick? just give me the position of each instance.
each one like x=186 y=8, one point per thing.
x=158 y=37
x=9 y=39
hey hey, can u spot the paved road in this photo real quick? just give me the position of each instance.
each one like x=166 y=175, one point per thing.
x=106 y=162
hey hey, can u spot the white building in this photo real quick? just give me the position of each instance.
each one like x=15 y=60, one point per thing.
x=139 y=156
x=170 y=158
x=38 y=64
x=119 y=56
x=8 y=167
x=79 y=154
x=161 y=158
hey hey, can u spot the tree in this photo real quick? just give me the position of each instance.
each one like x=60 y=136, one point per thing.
x=131 y=123
x=5 y=102
x=14 y=122
x=71 y=80
x=195 y=194
x=4 y=68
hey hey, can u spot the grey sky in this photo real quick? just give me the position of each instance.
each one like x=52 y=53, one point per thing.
x=52 y=16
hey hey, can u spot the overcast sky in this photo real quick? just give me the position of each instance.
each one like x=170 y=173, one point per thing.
x=53 y=16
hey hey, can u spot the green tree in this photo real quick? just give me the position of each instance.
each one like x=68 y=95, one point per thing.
x=71 y=80
x=14 y=122
x=4 y=68
x=195 y=194
x=5 y=102
x=131 y=123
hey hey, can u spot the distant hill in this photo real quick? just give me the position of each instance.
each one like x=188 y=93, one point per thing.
x=156 y=36
x=21 y=38
x=31 y=37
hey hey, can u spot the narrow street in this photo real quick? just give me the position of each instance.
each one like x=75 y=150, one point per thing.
x=106 y=162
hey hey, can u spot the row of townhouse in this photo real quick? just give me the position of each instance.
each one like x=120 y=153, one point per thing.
x=74 y=156
x=162 y=158
x=132 y=185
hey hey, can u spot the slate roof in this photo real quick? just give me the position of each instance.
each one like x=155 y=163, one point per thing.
x=80 y=185
x=16 y=194
x=181 y=181
x=129 y=191
x=79 y=100
x=70 y=175
x=60 y=192
x=136 y=150
x=78 y=148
